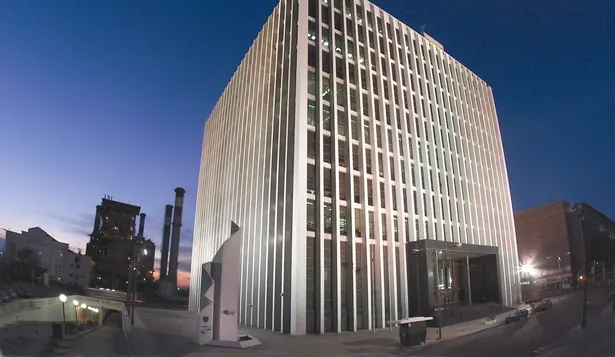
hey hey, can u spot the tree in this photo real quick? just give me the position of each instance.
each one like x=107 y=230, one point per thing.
x=28 y=259
x=29 y=256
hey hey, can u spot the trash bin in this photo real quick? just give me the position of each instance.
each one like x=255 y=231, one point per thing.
x=412 y=334
x=56 y=331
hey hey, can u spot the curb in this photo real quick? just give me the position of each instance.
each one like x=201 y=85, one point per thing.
x=435 y=342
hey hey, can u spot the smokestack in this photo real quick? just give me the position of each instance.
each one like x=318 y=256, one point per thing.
x=166 y=236
x=97 y=220
x=141 y=224
x=177 y=224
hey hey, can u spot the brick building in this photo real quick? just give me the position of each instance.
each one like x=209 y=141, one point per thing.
x=551 y=252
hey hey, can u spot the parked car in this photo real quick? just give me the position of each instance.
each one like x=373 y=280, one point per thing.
x=517 y=315
x=24 y=293
x=4 y=296
x=543 y=305
x=11 y=294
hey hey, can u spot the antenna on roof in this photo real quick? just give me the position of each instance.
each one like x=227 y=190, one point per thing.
x=423 y=28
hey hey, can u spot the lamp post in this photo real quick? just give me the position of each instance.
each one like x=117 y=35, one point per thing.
x=63 y=299
x=579 y=212
x=559 y=268
x=84 y=306
x=133 y=293
x=418 y=286
x=76 y=304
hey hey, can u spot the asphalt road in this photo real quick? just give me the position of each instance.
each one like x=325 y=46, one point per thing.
x=522 y=338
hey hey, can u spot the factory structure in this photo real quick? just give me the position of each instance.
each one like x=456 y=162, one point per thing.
x=115 y=241
x=365 y=168
x=171 y=231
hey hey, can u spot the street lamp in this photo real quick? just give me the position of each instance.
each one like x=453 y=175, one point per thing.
x=418 y=286
x=63 y=299
x=84 y=306
x=76 y=304
x=579 y=212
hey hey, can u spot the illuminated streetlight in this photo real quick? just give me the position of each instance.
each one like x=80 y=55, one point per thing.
x=76 y=303
x=63 y=299
x=526 y=269
x=84 y=306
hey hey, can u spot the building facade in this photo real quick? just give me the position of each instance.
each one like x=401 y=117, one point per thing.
x=342 y=137
x=60 y=263
x=551 y=249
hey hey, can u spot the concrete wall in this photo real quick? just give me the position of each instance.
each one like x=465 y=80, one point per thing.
x=50 y=309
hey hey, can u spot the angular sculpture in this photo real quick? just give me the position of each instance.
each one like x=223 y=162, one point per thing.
x=217 y=320
x=205 y=321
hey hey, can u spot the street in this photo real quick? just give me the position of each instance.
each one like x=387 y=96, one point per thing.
x=523 y=338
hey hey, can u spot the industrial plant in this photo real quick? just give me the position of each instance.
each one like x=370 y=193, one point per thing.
x=113 y=244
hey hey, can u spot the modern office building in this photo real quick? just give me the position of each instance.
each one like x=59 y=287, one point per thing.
x=349 y=149
x=555 y=251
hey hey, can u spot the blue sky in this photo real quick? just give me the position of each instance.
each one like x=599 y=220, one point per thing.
x=110 y=97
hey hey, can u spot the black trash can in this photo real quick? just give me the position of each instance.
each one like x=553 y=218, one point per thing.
x=56 y=331
x=412 y=334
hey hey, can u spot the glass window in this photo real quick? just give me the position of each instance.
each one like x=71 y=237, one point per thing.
x=341 y=123
x=357 y=189
x=312 y=112
x=312 y=58
x=327 y=149
x=357 y=222
x=312 y=31
x=366 y=132
x=328 y=216
x=311 y=144
x=341 y=154
x=326 y=15
x=343 y=224
x=341 y=95
x=327 y=182
x=312 y=83
x=326 y=62
x=326 y=37
x=343 y=183
x=326 y=89
x=311 y=215
x=354 y=127
x=326 y=117
x=311 y=179
x=370 y=194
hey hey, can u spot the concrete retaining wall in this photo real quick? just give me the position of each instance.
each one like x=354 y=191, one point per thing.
x=50 y=309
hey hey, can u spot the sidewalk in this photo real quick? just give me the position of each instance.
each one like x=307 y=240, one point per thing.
x=160 y=332
x=105 y=341
x=596 y=340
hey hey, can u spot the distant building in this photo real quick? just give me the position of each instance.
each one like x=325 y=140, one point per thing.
x=61 y=263
x=550 y=245
x=114 y=242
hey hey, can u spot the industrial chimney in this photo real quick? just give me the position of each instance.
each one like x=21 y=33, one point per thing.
x=177 y=224
x=166 y=236
x=141 y=224
x=97 y=220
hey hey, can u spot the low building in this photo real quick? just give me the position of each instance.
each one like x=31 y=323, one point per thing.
x=552 y=255
x=76 y=269
x=55 y=257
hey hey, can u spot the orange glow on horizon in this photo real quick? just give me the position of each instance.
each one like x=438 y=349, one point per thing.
x=183 y=278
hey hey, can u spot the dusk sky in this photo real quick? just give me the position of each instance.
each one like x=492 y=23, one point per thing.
x=111 y=96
